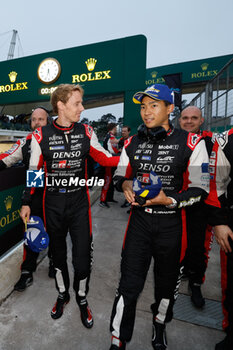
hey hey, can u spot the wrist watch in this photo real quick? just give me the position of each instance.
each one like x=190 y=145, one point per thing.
x=173 y=204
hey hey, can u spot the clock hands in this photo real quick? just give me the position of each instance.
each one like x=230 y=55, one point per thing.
x=49 y=70
x=48 y=74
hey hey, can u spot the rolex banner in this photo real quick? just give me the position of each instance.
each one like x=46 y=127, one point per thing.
x=173 y=81
x=12 y=184
x=10 y=200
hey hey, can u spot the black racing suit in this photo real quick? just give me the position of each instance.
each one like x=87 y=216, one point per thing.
x=107 y=192
x=20 y=152
x=221 y=186
x=63 y=153
x=199 y=233
x=120 y=144
x=180 y=160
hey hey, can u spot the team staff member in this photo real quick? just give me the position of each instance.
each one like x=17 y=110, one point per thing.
x=125 y=131
x=62 y=148
x=199 y=233
x=191 y=119
x=110 y=144
x=155 y=229
x=221 y=171
x=20 y=151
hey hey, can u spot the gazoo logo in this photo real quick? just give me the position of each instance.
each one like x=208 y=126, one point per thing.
x=72 y=154
x=144 y=177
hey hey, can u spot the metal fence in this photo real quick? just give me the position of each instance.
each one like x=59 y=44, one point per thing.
x=216 y=100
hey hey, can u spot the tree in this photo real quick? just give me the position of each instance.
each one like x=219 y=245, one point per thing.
x=100 y=126
x=120 y=122
x=108 y=118
x=176 y=113
x=85 y=121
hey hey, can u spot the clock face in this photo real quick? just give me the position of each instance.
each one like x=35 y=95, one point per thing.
x=49 y=70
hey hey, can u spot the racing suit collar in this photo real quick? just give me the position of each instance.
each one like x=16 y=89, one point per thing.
x=62 y=128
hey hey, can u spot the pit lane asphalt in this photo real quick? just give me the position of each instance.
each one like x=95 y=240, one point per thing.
x=25 y=321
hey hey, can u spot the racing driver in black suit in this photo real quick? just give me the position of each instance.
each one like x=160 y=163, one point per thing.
x=62 y=149
x=154 y=229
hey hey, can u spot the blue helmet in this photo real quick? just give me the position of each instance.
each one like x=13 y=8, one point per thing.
x=35 y=237
x=148 y=191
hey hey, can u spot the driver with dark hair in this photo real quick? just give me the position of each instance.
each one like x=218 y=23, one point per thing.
x=154 y=229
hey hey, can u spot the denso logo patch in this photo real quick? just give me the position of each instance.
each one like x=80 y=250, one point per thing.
x=154 y=167
x=72 y=154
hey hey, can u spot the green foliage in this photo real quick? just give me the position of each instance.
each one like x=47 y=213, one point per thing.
x=100 y=125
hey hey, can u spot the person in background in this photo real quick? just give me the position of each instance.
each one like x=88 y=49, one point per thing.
x=110 y=144
x=199 y=233
x=20 y=152
x=125 y=132
x=191 y=119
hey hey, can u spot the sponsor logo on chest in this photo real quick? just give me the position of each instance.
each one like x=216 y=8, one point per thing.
x=71 y=154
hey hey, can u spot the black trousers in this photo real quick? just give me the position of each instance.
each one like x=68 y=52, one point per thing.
x=147 y=236
x=199 y=240
x=70 y=212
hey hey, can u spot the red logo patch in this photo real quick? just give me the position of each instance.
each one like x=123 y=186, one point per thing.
x=62 y=164
x=192 y=141
x=89 y=130
x=127 y=142
x=38 y=134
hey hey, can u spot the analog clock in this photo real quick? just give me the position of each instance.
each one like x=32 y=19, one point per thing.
x=49 y=70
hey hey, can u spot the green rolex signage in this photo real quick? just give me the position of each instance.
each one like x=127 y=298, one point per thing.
x=193 y=72
x=103 y=68
x=115 y=68
x=10 y=200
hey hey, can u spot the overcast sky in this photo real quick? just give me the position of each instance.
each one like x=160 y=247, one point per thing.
x=176 y=31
